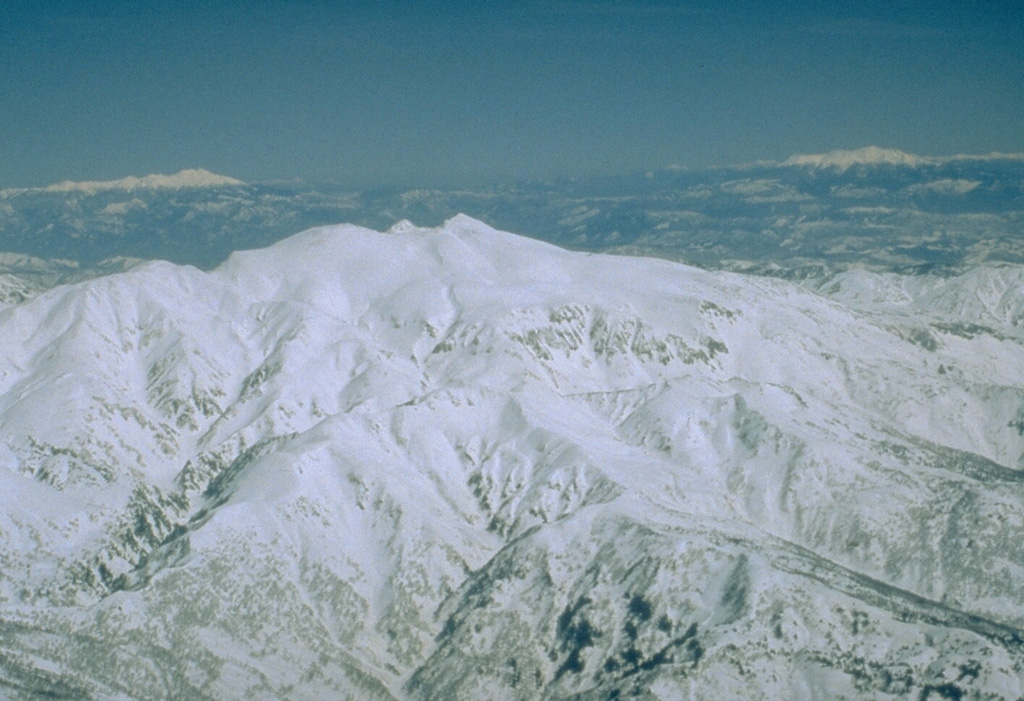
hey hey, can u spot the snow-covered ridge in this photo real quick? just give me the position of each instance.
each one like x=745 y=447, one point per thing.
x=189 y=178
x=842 y=160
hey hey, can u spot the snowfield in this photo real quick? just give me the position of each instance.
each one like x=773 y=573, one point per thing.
x=455 y=463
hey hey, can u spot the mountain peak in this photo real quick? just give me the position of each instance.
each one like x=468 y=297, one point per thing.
x=190 y=178
x=870 y=155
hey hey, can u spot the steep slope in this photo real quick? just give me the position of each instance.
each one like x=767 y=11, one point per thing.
x=456 y=463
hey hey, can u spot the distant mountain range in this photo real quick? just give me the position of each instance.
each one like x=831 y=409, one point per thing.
x=454 y=463
x=879 y=209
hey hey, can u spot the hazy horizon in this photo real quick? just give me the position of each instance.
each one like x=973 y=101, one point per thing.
x=377 y=94
x=199 y=177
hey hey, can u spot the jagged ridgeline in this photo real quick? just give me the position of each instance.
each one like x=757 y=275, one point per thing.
x=457 y=463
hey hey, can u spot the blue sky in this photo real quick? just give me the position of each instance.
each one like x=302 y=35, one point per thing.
x=446 y=93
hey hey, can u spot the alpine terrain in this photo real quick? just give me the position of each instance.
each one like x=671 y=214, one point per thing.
x=454 y=463
x=870 y=208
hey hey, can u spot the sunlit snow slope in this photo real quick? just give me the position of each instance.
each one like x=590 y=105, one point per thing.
x=458 y=464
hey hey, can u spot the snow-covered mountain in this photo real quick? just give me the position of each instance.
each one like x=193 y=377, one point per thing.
x=874 y=208
x=870 y=156
x=23 y=276
x=457 y=463
x=842 y=160
x=189 y=178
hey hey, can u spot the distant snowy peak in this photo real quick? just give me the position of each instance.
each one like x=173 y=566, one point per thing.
x=842 y=160
x=192 y=178
x=874 y=156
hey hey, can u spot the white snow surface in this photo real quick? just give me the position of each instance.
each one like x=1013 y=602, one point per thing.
x=842 y=160
x=189 y=178
x=457 y=463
